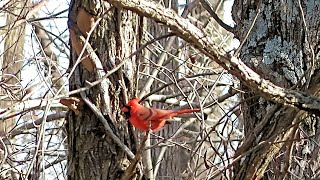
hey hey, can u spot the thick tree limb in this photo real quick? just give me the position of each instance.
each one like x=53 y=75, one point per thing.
x=204 y=43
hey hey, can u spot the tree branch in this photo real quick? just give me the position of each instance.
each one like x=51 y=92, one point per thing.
x=207 y=5
x=106 y=125
x=205 y=44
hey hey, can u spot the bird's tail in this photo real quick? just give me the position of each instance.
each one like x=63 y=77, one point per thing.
x=167 y=114
x=184 y=111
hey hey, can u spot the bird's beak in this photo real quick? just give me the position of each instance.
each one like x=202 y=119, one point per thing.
x=124 y=109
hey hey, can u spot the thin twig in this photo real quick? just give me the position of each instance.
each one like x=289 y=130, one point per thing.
x=311 y=69
x=129 y=172
x=162 y=57
x=248 y=33
x=5 y=150
x=207 y=5
x=235 y=66
x=106 y=125
x=178 y=80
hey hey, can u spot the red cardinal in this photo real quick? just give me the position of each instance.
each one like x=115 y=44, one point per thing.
x=144 y=118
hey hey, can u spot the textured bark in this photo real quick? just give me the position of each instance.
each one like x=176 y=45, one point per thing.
x=296 y=63
x=235 y=66
x=283 y=50
x=45 y=42
x=92 y=153
x=12 y=59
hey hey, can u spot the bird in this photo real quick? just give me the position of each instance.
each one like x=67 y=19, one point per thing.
x=144 y=118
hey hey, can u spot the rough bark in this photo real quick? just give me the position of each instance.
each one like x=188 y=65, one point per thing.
x=235 y=66
x=11 y=61
x=296 y=63
x=283 y=48
x=92 y=153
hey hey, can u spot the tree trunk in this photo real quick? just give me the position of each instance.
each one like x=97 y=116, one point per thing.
x=11 y=61
x=282 y=47
x=92 y=153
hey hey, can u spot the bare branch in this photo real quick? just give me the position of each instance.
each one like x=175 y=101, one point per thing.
x=204 y=43
x=207 y=5
x=106 y=126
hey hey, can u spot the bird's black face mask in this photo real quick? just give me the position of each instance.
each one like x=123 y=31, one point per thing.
x=126 y=111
